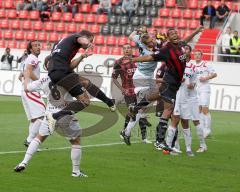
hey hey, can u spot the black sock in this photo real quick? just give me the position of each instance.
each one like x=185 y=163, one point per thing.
x=174 y=138
x=143 y=128
x=161 y=130
x=71 y=108
x=94 y=91
x=127 y=119
x=144 y=102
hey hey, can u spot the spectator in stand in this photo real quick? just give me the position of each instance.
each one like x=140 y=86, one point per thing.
x=56 y=6
x=226 y=44
x=70 y=6
x=129 y=7
x=7 y=60
x=22 y=59
x=91 y=2
x=26 y=5
x=209 y=12
x=105 y=6
x=235 y=47
x=221 y=13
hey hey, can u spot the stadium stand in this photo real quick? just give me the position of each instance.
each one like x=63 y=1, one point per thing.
x=110 y=31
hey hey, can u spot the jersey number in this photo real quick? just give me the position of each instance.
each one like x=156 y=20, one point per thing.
x=54 y=91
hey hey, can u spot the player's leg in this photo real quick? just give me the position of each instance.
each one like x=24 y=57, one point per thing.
x=34 y=145
x=94 y=91
x=143 y=123
x=187 y=136
x=207 y=120
x=76 y=154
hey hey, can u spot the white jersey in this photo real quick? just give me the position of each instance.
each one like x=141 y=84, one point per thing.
x=203 y=69
x=185 y=94
x=57 y=96
x=32 y=60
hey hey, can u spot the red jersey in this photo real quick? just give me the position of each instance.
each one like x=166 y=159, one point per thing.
x=126 y=72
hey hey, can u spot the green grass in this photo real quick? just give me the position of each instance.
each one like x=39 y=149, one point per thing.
x=137 y=168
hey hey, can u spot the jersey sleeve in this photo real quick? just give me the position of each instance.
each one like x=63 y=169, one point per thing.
x=116 y=70
x=30 y=61
x=210 y=69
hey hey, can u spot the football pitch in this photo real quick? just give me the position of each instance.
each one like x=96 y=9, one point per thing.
x=113 y=166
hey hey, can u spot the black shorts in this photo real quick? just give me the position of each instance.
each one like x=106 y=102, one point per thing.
x=170 y=91
x=130 y=99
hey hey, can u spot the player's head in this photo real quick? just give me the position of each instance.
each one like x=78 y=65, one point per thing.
x=85 y=39
x=172 y=35
x=198 y=55
x=188 y=49
x=34 y=47
x=127 y=50
x=148 y=40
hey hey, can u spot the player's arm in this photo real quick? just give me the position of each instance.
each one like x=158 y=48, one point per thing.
x=77 y=61
x=190 y=37
x=20 y=76
x=115 y=75
x=38 y=85
x=132 y=36
x=28 y=74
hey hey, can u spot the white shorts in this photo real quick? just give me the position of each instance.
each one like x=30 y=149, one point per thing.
x=183 y=110
x=194 y=110
x=33 y=104
x=204 y=98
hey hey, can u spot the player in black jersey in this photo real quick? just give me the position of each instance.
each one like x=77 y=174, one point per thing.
x=60 y=71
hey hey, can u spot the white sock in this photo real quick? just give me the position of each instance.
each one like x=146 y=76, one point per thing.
x=32 y=148
x=33 y=130
x=170 y=135
x=188 y=139
x=208 y=122
x=200 y=134
x=76 y=154
x=131 y=124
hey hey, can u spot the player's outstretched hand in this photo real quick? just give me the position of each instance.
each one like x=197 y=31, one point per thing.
x=200 y=29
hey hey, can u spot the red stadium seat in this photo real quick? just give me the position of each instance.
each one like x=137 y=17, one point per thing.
x=170 y=3
x=203 y=4
x=79 y=17
x=182 y=24
x=104 y=50
x=0 y=34
x=49 y=26
x=60 y=27
x=158 y=22
x=176 y=13
x=2 y=43
x=194 y=24
x=12 y=14
x=42 y=36
x=37 y=25
x=90 y=18
x=31 y=36
x=4 y=24
x=15 y=24
x=2 y=13
x=99 y=40
x=132 y=43
x=56 y=16
x=94 y=29
x=8 y=34
x=229 y=4
x=95 y=8
x=164 y=12
x=23 y=14
x=67 y=17
x=193 y=4
x=170 y=23
x=12 y=44
x=27 y=25
x=136 y=52
x=22 y=45
x=72 y=28
x=111 y=40
x=122 y=41
x=187 y=14
x=116 y=51
x=85 y=8
x=101 y=19
x=83 y=27
x=198 y=14
x=53 y=37
x=19 y=35
x=62 y=36
x=8 y=4
x=187 y=33
x=34 y=15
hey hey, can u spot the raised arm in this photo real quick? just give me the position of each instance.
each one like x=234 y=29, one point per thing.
x=190 y=37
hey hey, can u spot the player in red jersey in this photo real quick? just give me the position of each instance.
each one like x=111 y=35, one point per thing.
x=126 y=71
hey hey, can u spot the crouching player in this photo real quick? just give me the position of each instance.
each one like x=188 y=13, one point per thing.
x=67 y=126
x=186 y=108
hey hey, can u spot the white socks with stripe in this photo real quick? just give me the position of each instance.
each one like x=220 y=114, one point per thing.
x=200 y=134
x=188 y=139
x=33 y=129
x=76 y=154
x=32 y=148
x=170 y=135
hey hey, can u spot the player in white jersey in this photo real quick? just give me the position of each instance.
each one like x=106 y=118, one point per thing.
x=67 y=126
x=186 y=108
x=205 y=72
x=143 y=78
x=32 y=102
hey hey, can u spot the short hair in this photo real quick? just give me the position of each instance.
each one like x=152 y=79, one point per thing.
x=171 y=29
x=7 y=48
x=144 y=37
x=86 y=33
x=29 y=46
x=127 y=44
x=198 y=50
x=235 y=31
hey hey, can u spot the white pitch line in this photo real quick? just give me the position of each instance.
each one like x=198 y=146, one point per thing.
x=63 y=148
